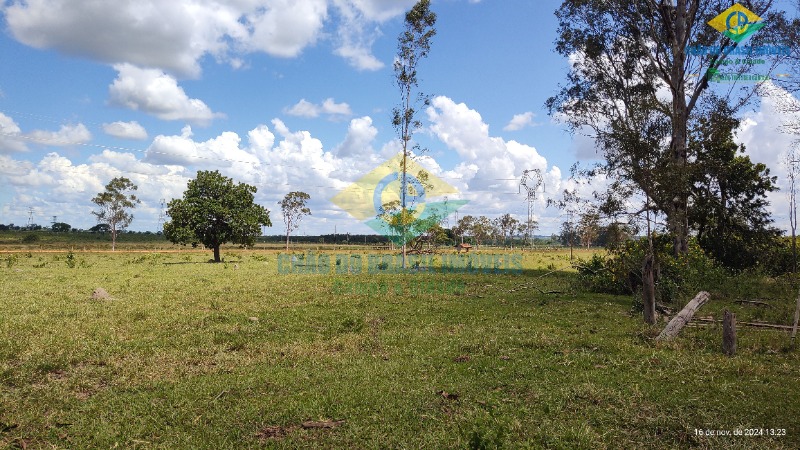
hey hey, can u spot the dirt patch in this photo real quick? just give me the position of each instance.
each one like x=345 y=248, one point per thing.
x=100 y=294
x=273 y=432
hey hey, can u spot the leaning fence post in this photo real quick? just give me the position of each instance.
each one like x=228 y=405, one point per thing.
x=682 y=318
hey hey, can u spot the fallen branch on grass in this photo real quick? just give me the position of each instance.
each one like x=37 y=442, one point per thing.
x=667 y=311
x=547 y=292
x=679 y=321
x=711 y=321
x=753 y=302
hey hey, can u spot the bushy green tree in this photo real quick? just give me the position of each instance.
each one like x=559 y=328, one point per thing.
x=636 y=82
x=215 y=210
x=506 y=225
x=729 y=202
x=61 y=227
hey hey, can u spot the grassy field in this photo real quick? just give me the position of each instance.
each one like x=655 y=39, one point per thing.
x=187 y=354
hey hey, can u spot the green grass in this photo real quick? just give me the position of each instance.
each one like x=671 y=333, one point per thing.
x=194 y=355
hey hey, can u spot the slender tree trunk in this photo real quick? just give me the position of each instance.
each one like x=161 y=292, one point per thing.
x=794 y=250
x=679 y=220
x=648 y=290
x=793 y=213
x=216 y=253
x=648 y=276
x=113 y=239
x=287 y=241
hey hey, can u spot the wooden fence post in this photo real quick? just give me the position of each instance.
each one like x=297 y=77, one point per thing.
x=796 y=319
x=729 y=333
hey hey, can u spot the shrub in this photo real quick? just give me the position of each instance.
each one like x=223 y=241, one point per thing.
x=778 y=260
x=71 y=260
x=675 y=277
x=11 y=260
x=30 y=238
x=595 y=275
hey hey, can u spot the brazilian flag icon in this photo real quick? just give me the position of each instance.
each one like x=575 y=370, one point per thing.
x=737 y=23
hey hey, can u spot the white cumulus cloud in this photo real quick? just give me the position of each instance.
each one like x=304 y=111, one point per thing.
x=490 y=167
x=126 y=130
x=67 y=135
x=10 y=135
x=285 y=27
x=358 y=141
x=520 y=121
x=176 y=35
x=329 y=107
x=154 y=92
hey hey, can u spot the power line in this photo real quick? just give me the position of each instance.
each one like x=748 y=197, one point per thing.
x=62 y=143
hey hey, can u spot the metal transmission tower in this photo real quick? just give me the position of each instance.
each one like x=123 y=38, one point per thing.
x=30 y=216
x=531 y=180
x=446 y=219
x=161 y=216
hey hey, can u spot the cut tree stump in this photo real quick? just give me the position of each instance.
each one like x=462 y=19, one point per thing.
x=729 y=333
x=679 y=321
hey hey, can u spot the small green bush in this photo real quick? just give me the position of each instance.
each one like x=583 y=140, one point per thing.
x=30 y=238
x=675 y=277
x=71 y=260
x=11 y=260
x=595 y=276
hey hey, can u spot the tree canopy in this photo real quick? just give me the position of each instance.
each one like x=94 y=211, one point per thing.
x=637 y=79
x=729 y=202
x=213 y=211
x=293 y=207
x=115 y=203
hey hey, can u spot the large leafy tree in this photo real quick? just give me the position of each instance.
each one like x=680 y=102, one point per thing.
x=214 y=210
x=729 y=194
x=115 y=204
x=61 y=227
x=635 y=85
x=464 y=227
x=482 y=230
x=413 y=45
x=506 y=224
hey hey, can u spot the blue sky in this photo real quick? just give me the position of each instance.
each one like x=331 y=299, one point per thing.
x=284 y=95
